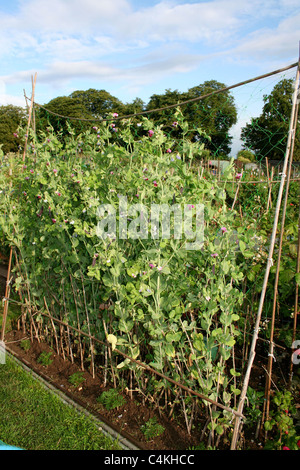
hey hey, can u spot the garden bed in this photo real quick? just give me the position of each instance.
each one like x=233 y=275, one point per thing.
x=128 y=419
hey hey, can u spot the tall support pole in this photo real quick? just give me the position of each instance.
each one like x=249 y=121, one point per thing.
x=291 y=136
x=7 y=292
x=7 y=289
x=271 y=344
x=296 y=307
x=30 y=114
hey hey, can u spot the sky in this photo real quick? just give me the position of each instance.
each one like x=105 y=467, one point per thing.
x=137 y=48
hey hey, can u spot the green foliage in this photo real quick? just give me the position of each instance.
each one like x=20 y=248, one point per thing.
x=111 y=399
x=253 y=411
x=179 y=311
x=11 y=117
x=267 y=134
x=245 y=156
x=76 y=379
x=281 y=423
x=168 y=303
x=25 y=344
x=63 y=106
x=152 y=429
x=98 y=103
x=209 y=119
x=45 y=358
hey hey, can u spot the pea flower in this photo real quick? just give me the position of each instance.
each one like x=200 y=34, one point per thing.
x=169 y=150
x=223 y=229
x=155 y=183
x=151 y=265
x=214 y=255
x=54 y=221
x=115 y=115
x=150 y=133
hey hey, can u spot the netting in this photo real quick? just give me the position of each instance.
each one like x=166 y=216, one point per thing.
x=173 y=324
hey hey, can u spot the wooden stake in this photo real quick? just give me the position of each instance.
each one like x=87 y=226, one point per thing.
x=296 y=307
x=271 y=347
x=291 y=134
x=7 y=293
x=30 y=115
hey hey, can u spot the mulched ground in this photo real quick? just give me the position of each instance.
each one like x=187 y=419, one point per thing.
x=126 y=420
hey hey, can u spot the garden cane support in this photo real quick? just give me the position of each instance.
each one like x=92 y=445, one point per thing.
x=271 y=347
x=296 y=308
x=6 y=300
x=268 y=267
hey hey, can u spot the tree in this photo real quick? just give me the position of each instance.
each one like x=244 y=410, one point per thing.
x=11 y=117
x=267 y=134
x=245 y=156
x=61 y=107
x=215 y=114
x=98 y=103
x=137 y=106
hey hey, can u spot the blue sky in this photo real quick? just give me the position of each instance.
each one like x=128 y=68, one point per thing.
x=135 y=48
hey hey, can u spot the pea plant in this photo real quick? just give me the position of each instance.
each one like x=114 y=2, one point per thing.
x=161 y=297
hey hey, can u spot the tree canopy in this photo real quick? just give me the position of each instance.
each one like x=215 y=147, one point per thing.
x=267 y=134
x=210 y=118
x=10 y=119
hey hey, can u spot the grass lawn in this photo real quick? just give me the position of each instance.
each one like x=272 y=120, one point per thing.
x=34 y=418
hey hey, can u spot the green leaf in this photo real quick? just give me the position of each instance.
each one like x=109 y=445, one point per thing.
x=234 y=373
x=242 y=246
x=234 y=390
x=268 y=425
x=170 y=350
x=219 y=429
x=123 y=364
x=112 y=339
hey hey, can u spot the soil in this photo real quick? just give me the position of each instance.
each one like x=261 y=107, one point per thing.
x=128 y=419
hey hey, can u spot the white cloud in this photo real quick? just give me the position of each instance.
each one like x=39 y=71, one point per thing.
x=280 y=43
x=6 y=99
x=128 y=43
x=71 y=16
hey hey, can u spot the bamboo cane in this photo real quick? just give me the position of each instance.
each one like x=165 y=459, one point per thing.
x=7 y=292
x=30 y=115
x=271 y=344
x=296 y=307
x=268 y=267
x=237 y=191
